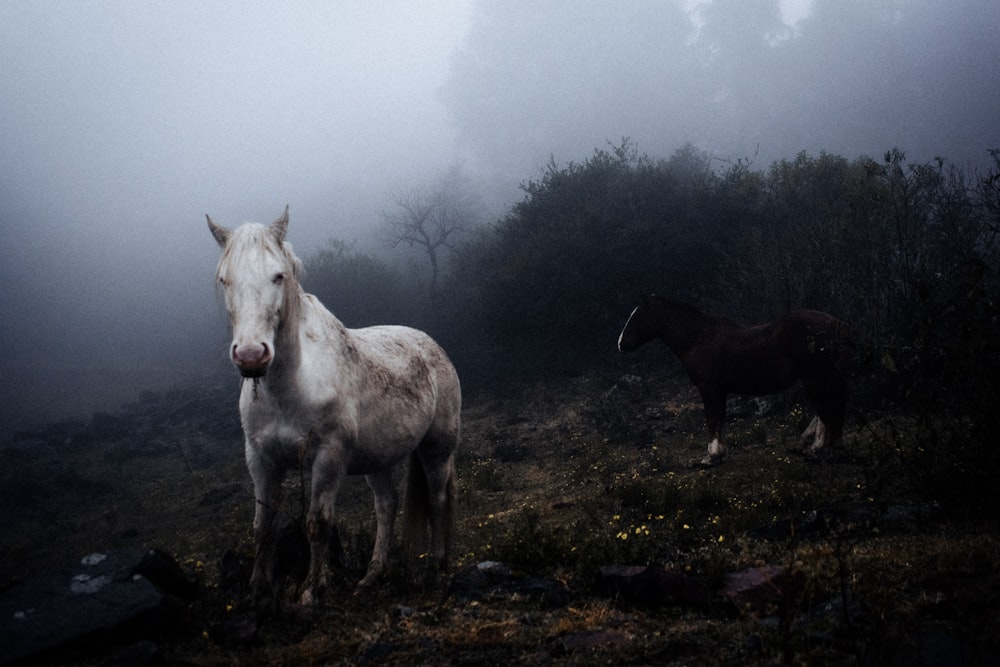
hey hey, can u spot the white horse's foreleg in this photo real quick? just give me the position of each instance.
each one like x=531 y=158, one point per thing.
x=386 y=505
x=267 y=498
x=326 y=479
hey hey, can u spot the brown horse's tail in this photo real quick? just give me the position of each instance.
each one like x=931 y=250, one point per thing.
x=420 y=521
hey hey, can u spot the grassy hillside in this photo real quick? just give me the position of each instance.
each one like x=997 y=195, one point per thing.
x=556 y=482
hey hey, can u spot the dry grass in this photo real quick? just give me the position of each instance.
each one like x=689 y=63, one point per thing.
x=557 y=482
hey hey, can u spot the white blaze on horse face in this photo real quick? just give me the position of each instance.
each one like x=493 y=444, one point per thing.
x=252 y=278
x=624 y=328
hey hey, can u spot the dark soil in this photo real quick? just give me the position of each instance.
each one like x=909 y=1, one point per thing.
x=556 y=483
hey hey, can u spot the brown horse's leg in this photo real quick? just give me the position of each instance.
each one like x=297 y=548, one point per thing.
x=834 y=408
x=837 y=409
x=715 y=417
x=828 y=396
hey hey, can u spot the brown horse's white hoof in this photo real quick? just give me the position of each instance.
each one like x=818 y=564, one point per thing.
x=716 y=452
x=814 y=437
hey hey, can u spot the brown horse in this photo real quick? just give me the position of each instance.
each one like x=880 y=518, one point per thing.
x=723 y=357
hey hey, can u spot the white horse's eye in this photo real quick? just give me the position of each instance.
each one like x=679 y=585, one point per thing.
x=278 y=278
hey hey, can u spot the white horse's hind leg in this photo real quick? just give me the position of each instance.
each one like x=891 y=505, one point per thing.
x=441 y=481
x=386 y=504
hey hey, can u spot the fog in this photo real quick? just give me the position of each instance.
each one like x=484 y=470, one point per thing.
x=123 y=124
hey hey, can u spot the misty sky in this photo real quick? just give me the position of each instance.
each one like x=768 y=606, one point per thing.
x=123 y=123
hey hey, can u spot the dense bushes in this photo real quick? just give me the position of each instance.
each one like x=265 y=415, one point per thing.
x=862 y=239
x=558 y=274
x=907 y=253
x=359 y=288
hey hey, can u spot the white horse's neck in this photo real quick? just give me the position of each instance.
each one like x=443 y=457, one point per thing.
x=307 y=329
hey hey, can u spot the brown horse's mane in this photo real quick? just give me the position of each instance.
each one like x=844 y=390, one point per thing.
x=693 y=311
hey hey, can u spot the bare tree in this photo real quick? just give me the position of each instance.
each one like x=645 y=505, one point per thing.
x=433 y=219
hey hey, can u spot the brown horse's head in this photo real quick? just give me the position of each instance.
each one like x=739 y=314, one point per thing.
x=640 y=327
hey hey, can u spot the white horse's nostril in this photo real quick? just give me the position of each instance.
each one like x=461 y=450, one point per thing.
x=252 y=360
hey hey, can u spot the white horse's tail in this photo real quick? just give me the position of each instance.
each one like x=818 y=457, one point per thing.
x=420 y=522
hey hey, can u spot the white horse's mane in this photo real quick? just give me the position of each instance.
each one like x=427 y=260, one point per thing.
x=246 y=236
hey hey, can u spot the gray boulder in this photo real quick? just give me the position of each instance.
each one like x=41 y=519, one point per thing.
x=103 y=600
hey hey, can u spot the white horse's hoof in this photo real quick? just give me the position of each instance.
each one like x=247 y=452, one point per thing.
x=375 y=570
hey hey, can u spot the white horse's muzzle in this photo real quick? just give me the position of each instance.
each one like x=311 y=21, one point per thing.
x=252 y=360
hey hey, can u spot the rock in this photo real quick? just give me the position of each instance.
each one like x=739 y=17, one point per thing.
x=160 y=568
x=239 y=629
x=491 y=579
x=918 y=514
x=653 y=586
x=510 y=452
x=219 y=494
x=632 y=383
x=764 y=405
x=755 y=588
x=140 y=653
x=104 y=598
x=593 y=639
x=377 y=653
x=821 y=522
x=627 y=389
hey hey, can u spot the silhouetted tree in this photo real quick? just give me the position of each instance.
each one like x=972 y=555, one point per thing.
x=560 y=270
x=432 y=219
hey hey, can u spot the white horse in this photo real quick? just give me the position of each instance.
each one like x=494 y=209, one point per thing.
x=337 y=401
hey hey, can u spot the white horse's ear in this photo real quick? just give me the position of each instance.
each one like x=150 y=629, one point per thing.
x=280 y=226
x=220 y=233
